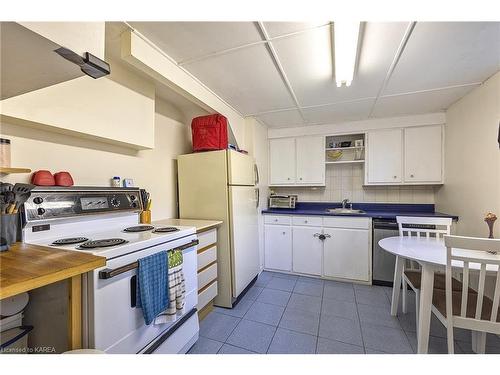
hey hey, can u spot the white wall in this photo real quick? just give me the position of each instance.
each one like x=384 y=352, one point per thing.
x=346 y=181
x=93 y=163
x=472 y=159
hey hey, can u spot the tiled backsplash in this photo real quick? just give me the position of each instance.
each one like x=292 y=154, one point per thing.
x=346 y=181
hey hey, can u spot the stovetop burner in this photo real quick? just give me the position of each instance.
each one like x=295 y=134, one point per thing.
x=139 y=228
x=166 y=230
x=69 y=241
x=103 y=243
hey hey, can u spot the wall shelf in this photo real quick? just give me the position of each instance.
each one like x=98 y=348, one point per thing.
x=344 y=162
x=8 y=170
x=344 y=148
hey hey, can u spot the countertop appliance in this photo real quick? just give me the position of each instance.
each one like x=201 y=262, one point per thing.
x=282 y=201
x=384 y=262
x=221 y=185
x=104 y=221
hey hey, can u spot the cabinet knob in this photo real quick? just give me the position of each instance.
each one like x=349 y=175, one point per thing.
x=412 y=176
x=276 y=220
x=394 y=176
x=305 y=221
x=300 y=178
x=288 y=178
x=284 y=233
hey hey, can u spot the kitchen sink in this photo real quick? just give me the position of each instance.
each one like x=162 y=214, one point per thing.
x=345 y=211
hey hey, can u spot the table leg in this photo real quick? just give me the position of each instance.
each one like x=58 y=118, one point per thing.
x=424 y=323
x=396 y=288
x=75 y=313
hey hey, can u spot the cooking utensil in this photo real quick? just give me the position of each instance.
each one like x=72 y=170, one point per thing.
x=22 y=188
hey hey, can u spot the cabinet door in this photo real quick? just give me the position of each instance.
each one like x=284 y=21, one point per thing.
x=278 y=247
x=423 y=154
x=347 y=254
x=310 y=160
x=307 y=250
x=385 y=156
x=282 y=161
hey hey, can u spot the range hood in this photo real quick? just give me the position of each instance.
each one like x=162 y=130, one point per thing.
x=29 y=62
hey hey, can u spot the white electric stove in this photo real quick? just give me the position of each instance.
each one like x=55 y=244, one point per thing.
x=104 y=222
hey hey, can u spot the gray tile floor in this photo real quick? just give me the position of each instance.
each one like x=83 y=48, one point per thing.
x=293 y=314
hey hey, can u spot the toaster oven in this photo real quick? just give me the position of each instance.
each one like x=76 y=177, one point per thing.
x=282 y=201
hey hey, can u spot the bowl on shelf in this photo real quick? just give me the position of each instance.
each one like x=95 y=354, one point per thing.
x=334 y=155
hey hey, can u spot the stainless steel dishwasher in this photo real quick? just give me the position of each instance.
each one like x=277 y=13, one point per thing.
x=383 y=262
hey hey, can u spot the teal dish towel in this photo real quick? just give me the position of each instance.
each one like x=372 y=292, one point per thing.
x=152 y=285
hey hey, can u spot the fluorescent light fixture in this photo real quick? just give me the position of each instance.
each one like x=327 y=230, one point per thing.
x=346 y=46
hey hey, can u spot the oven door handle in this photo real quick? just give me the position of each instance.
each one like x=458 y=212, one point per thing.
x=109 y=273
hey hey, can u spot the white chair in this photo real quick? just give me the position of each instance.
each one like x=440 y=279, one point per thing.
x=470 y=309
x=432 y=228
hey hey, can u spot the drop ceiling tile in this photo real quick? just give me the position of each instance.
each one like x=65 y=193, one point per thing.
x=247 y=79
x=418 y=103
x=186 y=40
x=282 y=119
x=307 y=61
x=441 y=54
x=330 y=114
x=275 y=29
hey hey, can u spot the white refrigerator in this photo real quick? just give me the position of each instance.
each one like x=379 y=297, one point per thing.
x=221 y=185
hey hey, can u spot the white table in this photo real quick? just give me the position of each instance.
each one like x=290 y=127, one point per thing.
x=431 y=255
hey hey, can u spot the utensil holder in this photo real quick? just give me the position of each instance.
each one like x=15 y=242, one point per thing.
x=10 y=229
x=145 y=217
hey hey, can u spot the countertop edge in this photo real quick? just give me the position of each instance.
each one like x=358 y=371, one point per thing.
x=373 y=214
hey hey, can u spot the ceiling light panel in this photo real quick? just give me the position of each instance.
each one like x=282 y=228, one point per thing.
x=307 y=61
x=441 y=54
x=276 y=29
x=247 y=79
x=330 y=114
x=290 y=118
x=189 y=40
x=418 y=103
x=346 y=47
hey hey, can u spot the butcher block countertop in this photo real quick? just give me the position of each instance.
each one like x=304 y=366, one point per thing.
x=25 y=267
x=200 y=225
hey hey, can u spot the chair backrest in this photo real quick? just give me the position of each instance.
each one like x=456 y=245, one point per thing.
x=435 y=227
x=485 y=253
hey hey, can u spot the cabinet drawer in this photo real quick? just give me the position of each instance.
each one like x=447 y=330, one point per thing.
x=207 y=238
x=310 y=221
x=208 y=294
x=347 y=222
x=207 y=275
x=277 y=219
x=207 y=256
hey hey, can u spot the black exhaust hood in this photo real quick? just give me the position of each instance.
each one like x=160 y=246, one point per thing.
x=29 y=62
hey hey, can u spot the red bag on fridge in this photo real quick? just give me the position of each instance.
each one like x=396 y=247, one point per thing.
x=209 y=133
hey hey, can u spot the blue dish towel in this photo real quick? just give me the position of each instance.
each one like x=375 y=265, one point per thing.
x=152 y=285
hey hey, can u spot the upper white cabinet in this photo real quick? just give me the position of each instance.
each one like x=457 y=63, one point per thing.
x=282 y=161
x=297 y=161
x=310 y=160
x=423 y=154
x=412 y=155
x=385 y=156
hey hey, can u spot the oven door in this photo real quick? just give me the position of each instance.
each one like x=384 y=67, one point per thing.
x=114 y=324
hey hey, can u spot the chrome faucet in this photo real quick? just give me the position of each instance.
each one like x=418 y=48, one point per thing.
x=346 y=202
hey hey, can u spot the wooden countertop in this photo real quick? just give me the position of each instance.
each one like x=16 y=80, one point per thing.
x=25 y=267
x=200 y=225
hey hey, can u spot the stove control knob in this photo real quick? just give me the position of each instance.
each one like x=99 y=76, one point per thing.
x=115 y=202
x=40 y=211
x=38 y=200
x=132 y=197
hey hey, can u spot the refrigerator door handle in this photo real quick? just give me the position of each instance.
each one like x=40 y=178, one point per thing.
x=256 y=174
x=257 y=191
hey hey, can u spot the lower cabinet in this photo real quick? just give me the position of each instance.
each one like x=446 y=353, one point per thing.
x=307 y=250
x=331 y=247
x=346 y=253
x=278 y=247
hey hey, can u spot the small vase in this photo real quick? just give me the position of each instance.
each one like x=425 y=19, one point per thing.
x=490 y=222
